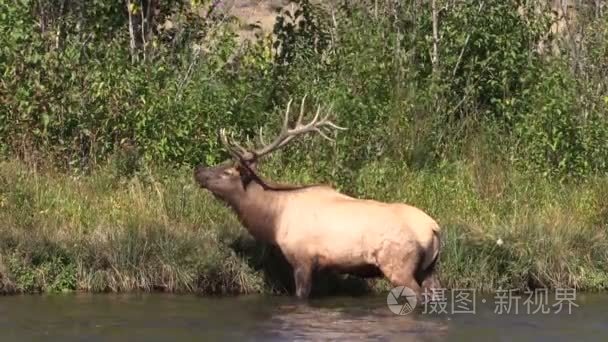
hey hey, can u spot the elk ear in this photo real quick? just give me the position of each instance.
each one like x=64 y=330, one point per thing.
x=246 y=167
x=247 y=173
x=253 y=165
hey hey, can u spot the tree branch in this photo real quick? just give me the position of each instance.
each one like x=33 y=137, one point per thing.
x=435 y=53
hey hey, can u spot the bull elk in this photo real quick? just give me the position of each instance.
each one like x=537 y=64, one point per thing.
x=317 y=227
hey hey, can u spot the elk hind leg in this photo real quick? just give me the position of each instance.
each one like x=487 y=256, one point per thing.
x=303 y=279
x=400 y=269
x=405 y=277
x=430 y=278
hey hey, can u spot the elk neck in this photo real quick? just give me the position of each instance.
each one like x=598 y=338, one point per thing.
x=261 y=205
x=259 y=210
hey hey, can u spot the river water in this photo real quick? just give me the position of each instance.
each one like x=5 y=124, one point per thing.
x=161 y=317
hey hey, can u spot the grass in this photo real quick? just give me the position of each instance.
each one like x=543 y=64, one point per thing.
x=100 y=233
x=157 y=231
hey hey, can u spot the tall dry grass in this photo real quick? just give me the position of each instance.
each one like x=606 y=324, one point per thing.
x=158 y=232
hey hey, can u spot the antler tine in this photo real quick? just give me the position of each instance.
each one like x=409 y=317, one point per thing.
x=261 y=136
x=242 y=151
x=280 y=139
x=331 y=124
x=285 y=141
x=286 y=118
x=316 y=118
x=314 y=123
x=313 y=126
x=235 y=149
x=318 y=124
x=321 y=133
x=301 y=116
x=224 y=140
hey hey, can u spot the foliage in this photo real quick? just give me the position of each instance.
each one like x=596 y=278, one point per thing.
x=81 y=92
x=158 y=232
x=81 y=103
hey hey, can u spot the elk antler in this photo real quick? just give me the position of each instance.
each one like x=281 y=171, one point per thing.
x=317 y=124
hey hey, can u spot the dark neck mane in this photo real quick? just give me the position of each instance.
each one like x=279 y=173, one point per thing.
x=266 y=185
x=283 y=187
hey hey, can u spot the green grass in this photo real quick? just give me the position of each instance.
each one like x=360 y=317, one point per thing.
x=158 y=232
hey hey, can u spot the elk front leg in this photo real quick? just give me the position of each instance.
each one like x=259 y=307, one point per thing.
x=303 y=279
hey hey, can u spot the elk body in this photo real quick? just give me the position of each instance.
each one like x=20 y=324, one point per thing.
x=317 y=227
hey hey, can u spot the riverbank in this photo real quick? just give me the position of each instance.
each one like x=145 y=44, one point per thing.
x=158 y=232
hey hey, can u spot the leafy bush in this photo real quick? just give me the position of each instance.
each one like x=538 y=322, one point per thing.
x=81 y=102
x=487 y=139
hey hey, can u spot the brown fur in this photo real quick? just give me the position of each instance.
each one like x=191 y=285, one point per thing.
x=317 y=227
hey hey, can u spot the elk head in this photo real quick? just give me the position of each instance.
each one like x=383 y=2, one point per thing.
x=229 y=180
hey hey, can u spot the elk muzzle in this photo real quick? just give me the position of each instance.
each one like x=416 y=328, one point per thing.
x=202 y=175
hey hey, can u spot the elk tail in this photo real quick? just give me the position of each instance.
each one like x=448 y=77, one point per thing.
x=429 y=275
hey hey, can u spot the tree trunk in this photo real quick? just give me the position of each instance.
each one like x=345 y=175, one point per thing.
x=435 y=52
x=132 y=43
